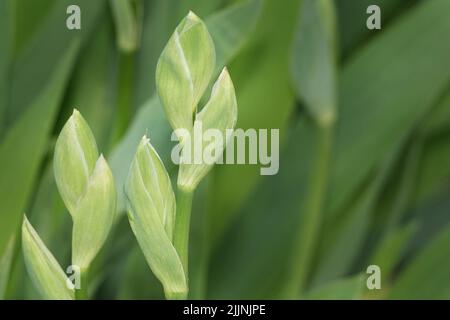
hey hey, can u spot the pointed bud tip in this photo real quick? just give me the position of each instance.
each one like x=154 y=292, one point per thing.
x=192 y=16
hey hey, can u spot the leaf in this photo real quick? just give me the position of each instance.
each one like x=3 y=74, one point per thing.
x=391 y=249
x=94 y=83
x=184 y=70
x=6 y=262
x=16 y=185
x=341 y=289
x=50 y=43
x=229 y=29
x=151 y=212
x=94 y=215
x=437 y=121
x=126 y=23
x=74 y=160
x=407 y=94
x=427 y=276
x=352 y=19
x=6 y=48
x=264 y=88
x=239 y=252
x=43 y=268
x=433 y=171
x=220 y=113
x=313 y=60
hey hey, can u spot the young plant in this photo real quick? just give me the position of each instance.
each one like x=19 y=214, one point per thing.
x=86 y=185
x=161 y=226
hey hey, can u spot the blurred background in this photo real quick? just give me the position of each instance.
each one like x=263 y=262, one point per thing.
x=368 y=185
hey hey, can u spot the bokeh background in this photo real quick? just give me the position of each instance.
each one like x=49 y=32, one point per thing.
x=385 y=200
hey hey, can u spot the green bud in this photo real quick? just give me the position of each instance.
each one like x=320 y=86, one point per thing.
x=184 y=70
x=74 y=160
x=151 y=211
x=44 y=270
x=94 y=215
x=86 y=185
x=219 y=113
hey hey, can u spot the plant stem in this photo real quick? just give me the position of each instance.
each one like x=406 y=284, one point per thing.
x=182 y=226
x=82 y=292
x=305 y=242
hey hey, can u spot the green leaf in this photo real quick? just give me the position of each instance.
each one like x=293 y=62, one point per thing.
x=94 y=215
x=50 y=43
x=16 y=185
x=184 y=70
x=43 y=268
x=126 y=23
x=433 y=171
x=219 y=113
x=438 y=120
x=94 y=83
x=6 y=48
x=344 y=288
x=313 y=60
x=151 y=211
x=391 y=249
x=264 y=88
x=352 y=20
x=427 y=276
x=74 y=160
x=388 y=104
x=230 y=27
x=6 y=262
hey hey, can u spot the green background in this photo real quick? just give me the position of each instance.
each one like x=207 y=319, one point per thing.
x=386 y=199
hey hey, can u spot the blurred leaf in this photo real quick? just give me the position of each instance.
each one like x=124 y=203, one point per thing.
x=50 y=43
x=428 y=275
x=269 y=214
x=344 y=288
x=388 y=104
x=126 y=21
x=134 y=274
x=93 y=85
x=23 y=147
x=434 y=171
x=342 y=243
x=391 y=249
x=263 y=88
x=29 y=17
x=6 y=262
x=42 y=267
x=229 y=29
x=313 y=60
x=438 y=120
x=353 y=17
x=6 y=48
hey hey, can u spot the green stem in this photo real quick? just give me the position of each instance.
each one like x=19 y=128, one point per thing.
x=305 y=243
x=82 y=292
x=182 y=226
